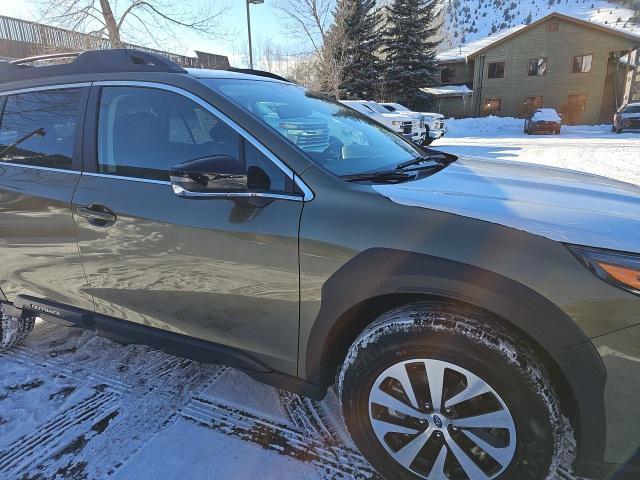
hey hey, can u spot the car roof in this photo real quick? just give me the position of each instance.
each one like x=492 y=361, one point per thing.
x=126 y=61
x=205 y=73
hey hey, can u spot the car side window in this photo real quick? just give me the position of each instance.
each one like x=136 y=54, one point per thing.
x=39 y=128
x=145 y=132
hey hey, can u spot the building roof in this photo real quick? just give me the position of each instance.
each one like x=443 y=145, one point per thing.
x=478 y=47
x=461 y=53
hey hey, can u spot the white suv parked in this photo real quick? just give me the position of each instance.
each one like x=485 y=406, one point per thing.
x=410 y=127
x=434 y=122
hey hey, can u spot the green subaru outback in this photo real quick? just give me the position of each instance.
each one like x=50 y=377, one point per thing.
x=479 y=319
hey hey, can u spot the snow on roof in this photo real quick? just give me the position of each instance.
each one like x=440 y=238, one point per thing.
x=460 y=54
x=449 y=90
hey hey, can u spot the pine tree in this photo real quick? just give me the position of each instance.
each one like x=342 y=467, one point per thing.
x=361 y=44
x=409 y=48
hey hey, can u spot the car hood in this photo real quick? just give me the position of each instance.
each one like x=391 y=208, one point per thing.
x=395 y=116
x=559 y=204
x=630 y=115
x=433 y=115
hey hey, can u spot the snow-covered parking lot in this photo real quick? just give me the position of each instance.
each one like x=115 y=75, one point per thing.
x=593 y=149
x=73 y=405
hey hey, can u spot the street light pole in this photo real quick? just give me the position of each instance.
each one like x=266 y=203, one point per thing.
x=255 y=2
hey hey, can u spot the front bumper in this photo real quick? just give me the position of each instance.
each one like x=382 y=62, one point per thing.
x=630 y=124
x=416 y=136
x=545 y=127
x=435 y=134
x=620 y=353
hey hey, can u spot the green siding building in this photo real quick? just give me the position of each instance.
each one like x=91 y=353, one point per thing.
x=580 y=68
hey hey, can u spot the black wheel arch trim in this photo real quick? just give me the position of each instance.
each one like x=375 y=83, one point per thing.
x=356 y=286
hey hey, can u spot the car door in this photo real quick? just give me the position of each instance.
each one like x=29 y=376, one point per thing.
x=40 y=166
x=222 y=270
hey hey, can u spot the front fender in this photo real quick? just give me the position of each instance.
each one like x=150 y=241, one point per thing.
x=353 y=295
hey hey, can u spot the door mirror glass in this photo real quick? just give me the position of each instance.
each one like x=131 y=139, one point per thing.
x=217 y=174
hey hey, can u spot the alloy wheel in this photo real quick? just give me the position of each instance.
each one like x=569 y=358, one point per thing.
x=441 y=422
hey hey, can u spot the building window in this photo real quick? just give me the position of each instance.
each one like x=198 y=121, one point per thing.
x=496 y=70
x=582 y=63
x=447 y=75
x=492 y=105
x=533 y=102
x=577 y=103
x=552 y=26
x=537 y=67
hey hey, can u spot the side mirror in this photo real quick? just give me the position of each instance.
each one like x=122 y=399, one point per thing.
x=219 y=176
x=209 y=176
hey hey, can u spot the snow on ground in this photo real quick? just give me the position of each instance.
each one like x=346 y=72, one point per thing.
x=592 y=149
x=74 y=405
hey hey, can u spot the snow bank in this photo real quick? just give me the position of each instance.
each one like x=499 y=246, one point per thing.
x=493 y=126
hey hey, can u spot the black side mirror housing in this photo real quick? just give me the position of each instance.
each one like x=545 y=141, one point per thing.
x=217 y=174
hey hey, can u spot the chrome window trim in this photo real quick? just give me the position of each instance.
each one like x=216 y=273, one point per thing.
x=129 y=179
x=181 y=192
x=62 y=86
x=308 y=194
x=36 y=167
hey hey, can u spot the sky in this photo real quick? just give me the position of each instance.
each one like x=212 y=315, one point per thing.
x=265 y=24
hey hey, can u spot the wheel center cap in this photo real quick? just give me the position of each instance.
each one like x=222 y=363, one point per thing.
x=437 y=421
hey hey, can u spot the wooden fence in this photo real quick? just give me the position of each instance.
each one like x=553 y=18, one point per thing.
x=22 y=38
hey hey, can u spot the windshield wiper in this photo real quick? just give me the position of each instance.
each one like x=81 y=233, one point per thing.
x=394 y=176
x=440 y=159
x=390 y=176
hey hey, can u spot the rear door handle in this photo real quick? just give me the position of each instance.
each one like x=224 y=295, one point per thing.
x=97 y=215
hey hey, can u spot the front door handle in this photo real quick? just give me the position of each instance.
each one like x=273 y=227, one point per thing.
x=97 y=215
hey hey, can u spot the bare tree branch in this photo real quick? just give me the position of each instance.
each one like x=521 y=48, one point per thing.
x=158 y=18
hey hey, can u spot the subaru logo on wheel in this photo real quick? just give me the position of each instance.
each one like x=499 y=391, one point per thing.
x=438 y=421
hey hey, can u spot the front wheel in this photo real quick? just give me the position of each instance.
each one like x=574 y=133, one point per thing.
x=436 y=391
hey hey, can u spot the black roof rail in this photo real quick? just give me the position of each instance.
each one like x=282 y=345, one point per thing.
x=93 y=61
x=259 y=73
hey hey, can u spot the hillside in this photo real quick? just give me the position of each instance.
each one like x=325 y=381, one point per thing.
x=469 y=20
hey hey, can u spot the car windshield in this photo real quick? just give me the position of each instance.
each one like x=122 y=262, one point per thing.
x=632 y=109
x=342 y=140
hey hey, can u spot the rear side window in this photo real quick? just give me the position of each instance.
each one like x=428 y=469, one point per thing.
x=145 y=132
x=39 y=128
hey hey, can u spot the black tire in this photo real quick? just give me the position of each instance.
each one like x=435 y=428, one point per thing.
x=14 y=331
x=474 y=341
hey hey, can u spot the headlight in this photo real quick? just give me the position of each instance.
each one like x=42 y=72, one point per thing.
x=394 y=123
x=619 y=269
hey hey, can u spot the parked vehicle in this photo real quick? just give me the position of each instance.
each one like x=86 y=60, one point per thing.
x=433 y=122
x=543 y=120
x=411 y=128
x=466 y=308
x=627 y=118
